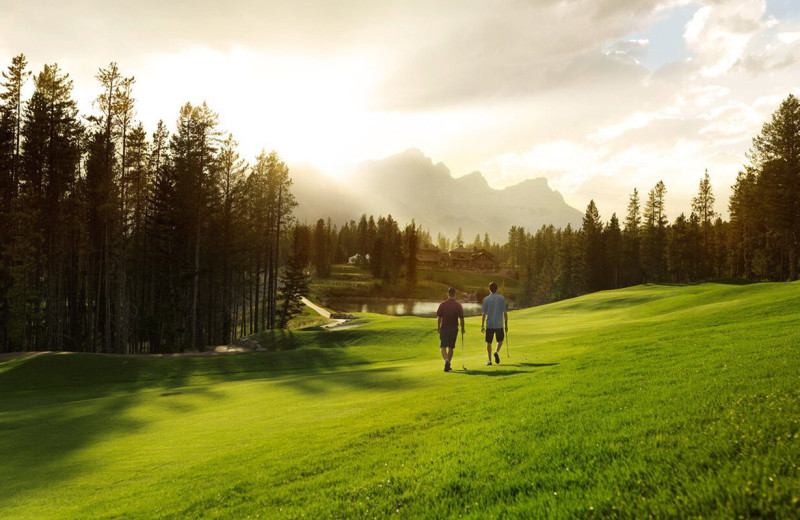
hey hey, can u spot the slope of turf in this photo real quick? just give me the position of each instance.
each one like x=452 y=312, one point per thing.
x=664 y=401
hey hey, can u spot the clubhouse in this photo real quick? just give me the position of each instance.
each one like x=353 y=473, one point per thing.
x=428 y=255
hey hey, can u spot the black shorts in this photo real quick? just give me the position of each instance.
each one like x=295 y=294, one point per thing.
x=495 y=332
x=448 y=338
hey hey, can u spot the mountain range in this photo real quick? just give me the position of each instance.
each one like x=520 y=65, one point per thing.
x=409 y=185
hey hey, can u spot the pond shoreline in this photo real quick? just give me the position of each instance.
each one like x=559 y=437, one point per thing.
x=396 y=306
x=388 y=299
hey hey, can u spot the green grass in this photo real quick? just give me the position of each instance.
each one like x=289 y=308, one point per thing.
x=662 y=401
x=440 y=280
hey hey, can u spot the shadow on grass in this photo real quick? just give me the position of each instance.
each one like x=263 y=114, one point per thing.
x=503 y=370
x=733 y=281
x=490 y=373
x=55 y=406
x=385 y=378
x=71 y=377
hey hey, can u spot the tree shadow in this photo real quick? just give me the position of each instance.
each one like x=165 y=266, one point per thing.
x=733 y=281
x=385 y=378
x=54 y=406
x=537 y=364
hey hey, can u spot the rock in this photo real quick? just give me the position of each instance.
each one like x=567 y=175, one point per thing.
x=248 y=343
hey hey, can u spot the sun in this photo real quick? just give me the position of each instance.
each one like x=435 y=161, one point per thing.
x=308 y=108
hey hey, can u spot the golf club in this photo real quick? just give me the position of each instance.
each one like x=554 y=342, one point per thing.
x=463 y=367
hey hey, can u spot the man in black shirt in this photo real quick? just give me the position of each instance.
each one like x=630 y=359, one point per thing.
x=448 y=314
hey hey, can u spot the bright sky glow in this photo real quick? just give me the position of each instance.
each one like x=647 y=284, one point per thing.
x=599 y=96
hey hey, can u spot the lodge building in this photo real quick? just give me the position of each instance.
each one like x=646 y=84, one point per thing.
x=428 y=255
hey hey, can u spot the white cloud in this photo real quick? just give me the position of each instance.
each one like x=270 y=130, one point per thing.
x=632 y=122
x=719 y=33
x=706 y=95
x=515 y=89
x=789 y=37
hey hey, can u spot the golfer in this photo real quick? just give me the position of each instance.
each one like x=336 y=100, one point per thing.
x=448 y=315
x=495 y=318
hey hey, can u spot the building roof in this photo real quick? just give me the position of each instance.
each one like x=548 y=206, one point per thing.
x=461 y=250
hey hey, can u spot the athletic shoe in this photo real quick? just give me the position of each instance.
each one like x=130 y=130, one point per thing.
x=488 y=364
x=497 y=358
x=447 y=367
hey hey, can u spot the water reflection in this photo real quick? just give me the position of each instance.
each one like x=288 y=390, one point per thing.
x=398 y=308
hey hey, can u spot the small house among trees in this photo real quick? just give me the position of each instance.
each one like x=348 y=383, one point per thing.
x=428 y=255
x=483 y=260
x=461 y=258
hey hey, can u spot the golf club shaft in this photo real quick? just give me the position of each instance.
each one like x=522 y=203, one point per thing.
x=463 y=366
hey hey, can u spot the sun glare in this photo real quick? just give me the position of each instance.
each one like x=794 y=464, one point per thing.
x=308 y=109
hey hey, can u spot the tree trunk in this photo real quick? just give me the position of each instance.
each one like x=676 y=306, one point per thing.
x=195 y=287
x=106 y=290
x=274 y=283
x=257 y=283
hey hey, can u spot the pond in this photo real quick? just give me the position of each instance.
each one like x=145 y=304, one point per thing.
x=397 y=307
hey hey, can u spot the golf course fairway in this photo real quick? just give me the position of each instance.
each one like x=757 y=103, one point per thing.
x=662 y=401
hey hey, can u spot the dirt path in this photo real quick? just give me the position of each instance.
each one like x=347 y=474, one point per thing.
x=322 y=312
x=316 y=308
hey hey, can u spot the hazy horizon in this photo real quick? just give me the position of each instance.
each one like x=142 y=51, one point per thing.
x=598 y=97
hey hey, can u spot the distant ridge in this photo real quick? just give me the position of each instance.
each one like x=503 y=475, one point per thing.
x=409 y=185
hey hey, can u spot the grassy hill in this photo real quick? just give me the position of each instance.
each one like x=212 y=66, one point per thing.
x=670 y=401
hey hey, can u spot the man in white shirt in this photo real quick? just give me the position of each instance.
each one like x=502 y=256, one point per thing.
x=495 y=319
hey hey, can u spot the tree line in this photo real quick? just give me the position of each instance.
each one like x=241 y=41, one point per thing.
x=761 y=241
x=113 y=240
x=380 y=244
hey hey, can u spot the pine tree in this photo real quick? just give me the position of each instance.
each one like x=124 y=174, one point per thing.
x=654 y=235
x=568 y=258
x=51 y=151
x=703 y=207
x=775 y=155
x=363 y=227
x=231 y=185
x=612 y=240
x=11 y=107
x=593 y=248
x=194 y=147
x=411 y=256
x=320 y=254
x=11 y=272
x=106 y=185
x=163 y=318
x=744 y=229
x=631 y=242
x=294 y=279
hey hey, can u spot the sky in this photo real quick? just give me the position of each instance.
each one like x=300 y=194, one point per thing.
x=598 y=96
